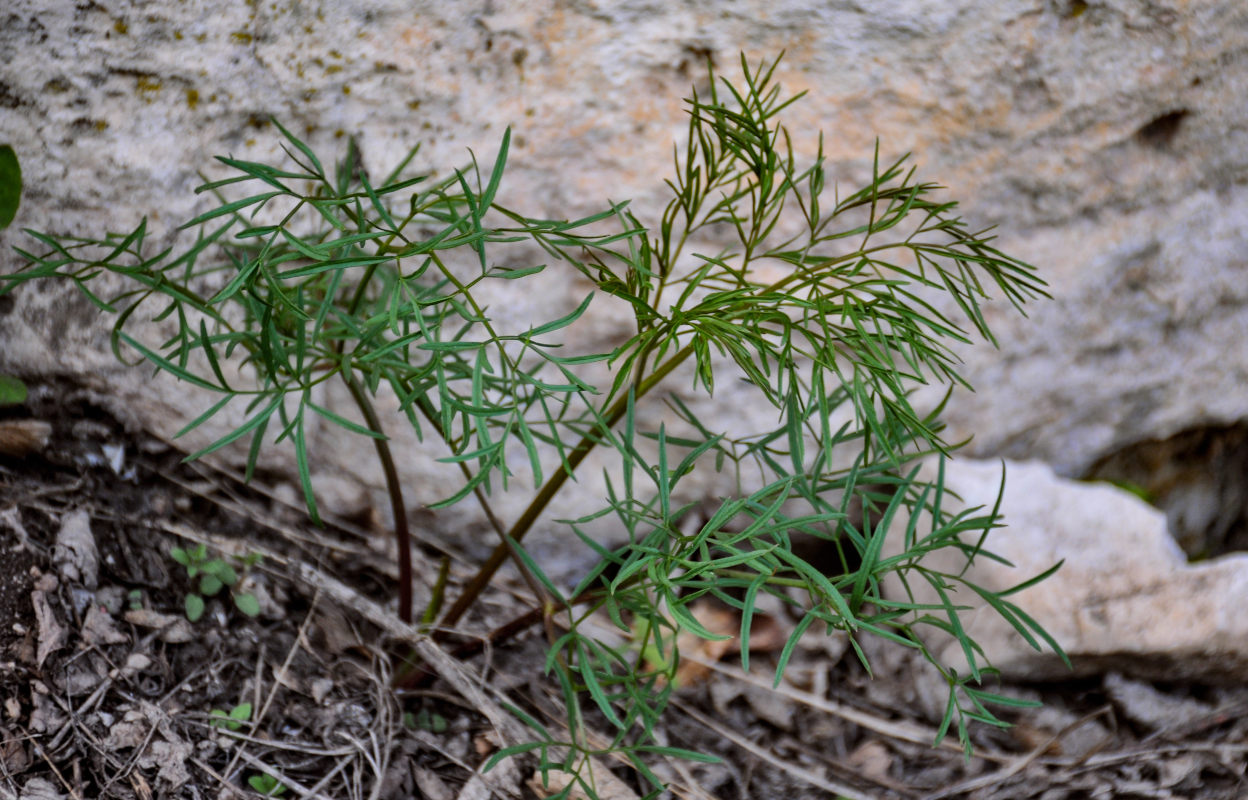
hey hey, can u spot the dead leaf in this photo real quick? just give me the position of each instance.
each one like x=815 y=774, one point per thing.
x=141 y=786
x=75 y=554
x=321 y=687
x=170 y=757
x=606 y=786
x=22 y=437
x=135 y=663
x=717 y=619
x=431 y=785
x=45 y=715
x=13 y=755
x=332 y=633
x=173 y=629
x=871 y=759
x=130 y=732
x=99 y=628
x=40 y=789
x=51 y=633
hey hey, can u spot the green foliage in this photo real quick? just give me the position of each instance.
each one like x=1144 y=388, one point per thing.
x=12 y=391
x=10 y=185
x=829 y=307
x=426 y=721
x=213 y=575
x=232 y=719
x=266 y=785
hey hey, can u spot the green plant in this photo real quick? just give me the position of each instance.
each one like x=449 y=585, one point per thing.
x=828 y=308
x=426 y=720
x=266 y=785
x=10 y=185
x=214 y=575
x=232 y=719
x=12 y=391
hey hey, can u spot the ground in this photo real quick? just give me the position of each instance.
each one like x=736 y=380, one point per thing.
x=109 y=691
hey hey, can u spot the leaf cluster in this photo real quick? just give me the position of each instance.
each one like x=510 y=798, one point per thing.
x=213 y=574
x=828 y=308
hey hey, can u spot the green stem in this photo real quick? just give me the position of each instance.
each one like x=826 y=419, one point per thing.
x=549 y=489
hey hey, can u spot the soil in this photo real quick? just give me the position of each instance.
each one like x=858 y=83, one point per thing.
x=108 y=691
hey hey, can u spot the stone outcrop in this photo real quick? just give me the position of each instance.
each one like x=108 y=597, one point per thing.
x=1125 y=599
x=1108 y=140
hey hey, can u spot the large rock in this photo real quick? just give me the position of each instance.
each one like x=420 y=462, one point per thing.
x=1108 y=141
x=1125 y=598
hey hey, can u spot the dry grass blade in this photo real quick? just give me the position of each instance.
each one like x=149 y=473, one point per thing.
x=1020 y=763
x=804 y=775
x=903 y=731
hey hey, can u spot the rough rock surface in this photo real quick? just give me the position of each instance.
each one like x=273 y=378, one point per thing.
x=1125 y=600
x=1108 y=140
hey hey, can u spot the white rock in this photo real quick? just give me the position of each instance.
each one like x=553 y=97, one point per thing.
x=1109 y=146
x=1125 y=598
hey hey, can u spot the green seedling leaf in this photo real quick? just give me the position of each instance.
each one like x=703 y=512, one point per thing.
x=209 y=584
x=221 y=571
x=194 y=607
x=233 y=720
x=248 y=604
x=266 y=785
x=10 y=185
x=12 y=391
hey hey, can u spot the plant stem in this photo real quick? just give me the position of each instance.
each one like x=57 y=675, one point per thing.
x=402 y=536
x=548 y=491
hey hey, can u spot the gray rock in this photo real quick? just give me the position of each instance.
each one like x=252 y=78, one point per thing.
x=1109 y=144
x=1125 y=598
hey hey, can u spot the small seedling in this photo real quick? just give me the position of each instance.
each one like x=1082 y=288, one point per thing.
x=214 y=575
x=266 y=785
x=135 y=598
x=12 y=391
x=231 y=720
x=426 y=721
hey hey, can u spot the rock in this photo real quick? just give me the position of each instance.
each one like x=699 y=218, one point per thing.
x=1125 y=598
x=1105 y=140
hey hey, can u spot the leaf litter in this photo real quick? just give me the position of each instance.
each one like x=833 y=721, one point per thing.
x=109 y=691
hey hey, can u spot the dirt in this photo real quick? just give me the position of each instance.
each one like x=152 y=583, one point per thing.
x=108 y=691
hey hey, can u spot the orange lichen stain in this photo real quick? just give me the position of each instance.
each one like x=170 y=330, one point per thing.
x=201 y=37
x=413 y=105
x=147 y=87
x=338 y=134
x=192 y=98
x=100 y=124
x=177 y=35
x=346 y=90
x=335 y=54
x=121 y=27
x=241 y=37
x=332 y=68
x=250 y=143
